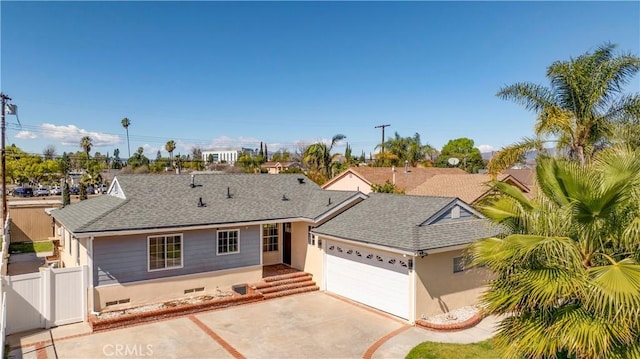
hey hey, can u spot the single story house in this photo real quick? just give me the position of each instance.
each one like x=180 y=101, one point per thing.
x=154 y=238
x=405 y=178
x=468 y=187
x=275 y=167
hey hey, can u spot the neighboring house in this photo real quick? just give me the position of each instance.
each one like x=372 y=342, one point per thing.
x=404 y=254
x=275 y=167
x=468 y=187
x=362 y=178
x=155 y=238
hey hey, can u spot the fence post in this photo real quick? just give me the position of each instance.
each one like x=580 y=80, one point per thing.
x=46 y=301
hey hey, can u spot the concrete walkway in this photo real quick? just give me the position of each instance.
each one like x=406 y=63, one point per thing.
x=399 y=345
x=23 y=263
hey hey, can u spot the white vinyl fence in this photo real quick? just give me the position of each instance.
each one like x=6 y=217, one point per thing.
x=54 y=296
x=4 y=249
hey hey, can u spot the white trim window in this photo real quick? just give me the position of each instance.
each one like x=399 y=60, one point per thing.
x=228 y=242
x=270 y=237
x=164 y=252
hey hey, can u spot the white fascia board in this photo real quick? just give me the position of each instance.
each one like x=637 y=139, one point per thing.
x=348 y=201
x=127 y=232
x=363 y=244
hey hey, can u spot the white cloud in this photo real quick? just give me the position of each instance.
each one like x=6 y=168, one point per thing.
x=70 y=135
x=486 y=148
x=27 y=135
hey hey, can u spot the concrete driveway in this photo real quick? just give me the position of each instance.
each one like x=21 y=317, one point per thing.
x=311 y=325
x=315 y=325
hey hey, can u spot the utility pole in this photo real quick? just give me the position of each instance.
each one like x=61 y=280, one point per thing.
x=4 y=98
x=382 y=127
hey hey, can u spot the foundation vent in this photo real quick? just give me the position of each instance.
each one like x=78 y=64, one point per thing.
x=116 y=302
x=194 y=290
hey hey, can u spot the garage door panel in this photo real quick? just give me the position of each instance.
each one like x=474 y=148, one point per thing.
x=373 y=278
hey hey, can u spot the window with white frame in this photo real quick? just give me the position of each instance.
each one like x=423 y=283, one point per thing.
x=165 y=252
x=270 y=237
x=229 y=241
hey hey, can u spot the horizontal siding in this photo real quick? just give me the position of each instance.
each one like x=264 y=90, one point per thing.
x=446 y=217
x=124 y=259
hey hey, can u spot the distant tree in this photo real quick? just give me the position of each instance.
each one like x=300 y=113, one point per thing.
x=387 y=187
x=319 y=158
x=86 y=143
x=117 y=162
x=49 y=152
x=400 y=150
x=281 y=156
x=66 y=196
x=138 y=159
x=463 y=149
x=82 y=191
x=170 y=146
x=126 y=123
x=266 y=153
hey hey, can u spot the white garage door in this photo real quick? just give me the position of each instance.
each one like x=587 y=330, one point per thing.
x=374 y=278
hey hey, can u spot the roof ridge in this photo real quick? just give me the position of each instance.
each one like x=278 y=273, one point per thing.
x=86 y=225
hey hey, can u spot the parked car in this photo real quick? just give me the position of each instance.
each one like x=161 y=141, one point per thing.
x=74 y=190
x=55 y=191
x=22 y=192
x=91 y=190
x=41 y=191
x=102 y=188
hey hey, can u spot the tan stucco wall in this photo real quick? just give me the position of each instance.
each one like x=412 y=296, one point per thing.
x=439 y=290
x=313 y=263
x=299 y=235
x=170 y=288
x=349 y=182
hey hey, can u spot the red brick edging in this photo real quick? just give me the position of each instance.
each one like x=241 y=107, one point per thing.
x=223 y=343
x=471 y=322
x=372 y=349
x=164 y=313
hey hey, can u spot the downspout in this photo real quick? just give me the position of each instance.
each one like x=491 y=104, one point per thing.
x=90 y=294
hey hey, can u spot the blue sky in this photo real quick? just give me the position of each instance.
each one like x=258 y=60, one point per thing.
x=220 y=74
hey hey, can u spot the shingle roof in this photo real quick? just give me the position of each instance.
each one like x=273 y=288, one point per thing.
x=395 y=221
x=169 y=201
x=467 y=187
x=406 y=181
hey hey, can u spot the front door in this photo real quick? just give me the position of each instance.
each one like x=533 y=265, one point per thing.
x=286 y=239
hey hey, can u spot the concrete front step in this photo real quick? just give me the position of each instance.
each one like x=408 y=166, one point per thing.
x=276 y=278
x=280 y=282
x=285 y=287
x=291 y=292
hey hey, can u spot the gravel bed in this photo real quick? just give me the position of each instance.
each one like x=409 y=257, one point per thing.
x=454 y=316
x=169 y=304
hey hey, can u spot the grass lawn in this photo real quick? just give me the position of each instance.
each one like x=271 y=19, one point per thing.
x=28 y=247
x=429 y=350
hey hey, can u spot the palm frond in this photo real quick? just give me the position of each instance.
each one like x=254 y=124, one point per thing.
x=616 y=290
x=532 y=96
x=512 y=154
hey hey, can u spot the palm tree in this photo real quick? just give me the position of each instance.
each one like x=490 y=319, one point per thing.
x=170 y=146
x=86 y=143
x=568 y=273
x=580 y=110
x=319 y=157
x=125 y=123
